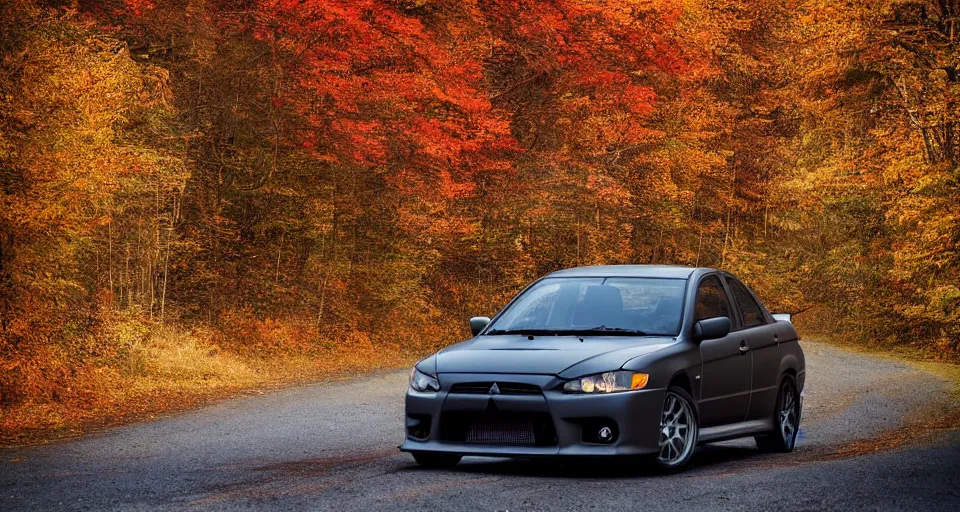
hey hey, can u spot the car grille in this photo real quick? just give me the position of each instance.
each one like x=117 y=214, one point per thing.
x=506 y=388
x=501 y=429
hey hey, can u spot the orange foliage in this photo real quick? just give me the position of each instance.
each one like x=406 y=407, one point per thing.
x=342 y=179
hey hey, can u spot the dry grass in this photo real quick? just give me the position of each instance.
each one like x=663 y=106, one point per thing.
x=152 y=371
x=165 y=370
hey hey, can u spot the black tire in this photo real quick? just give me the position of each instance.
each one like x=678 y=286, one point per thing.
x=784 y=438
x=436 y=460
x=692 y=439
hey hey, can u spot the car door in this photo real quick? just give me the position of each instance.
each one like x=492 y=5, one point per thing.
x=726 y=373
x=758 y=332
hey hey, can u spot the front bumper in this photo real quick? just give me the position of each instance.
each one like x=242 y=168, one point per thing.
x=635 y=413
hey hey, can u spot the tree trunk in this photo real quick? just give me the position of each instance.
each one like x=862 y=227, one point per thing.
x=699 y=246
x=6 y=285
x=166 y=265
x=726 y=237
x=110 y=259
x=276 y=279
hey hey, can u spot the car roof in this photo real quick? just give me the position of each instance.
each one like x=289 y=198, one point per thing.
x=663 y=271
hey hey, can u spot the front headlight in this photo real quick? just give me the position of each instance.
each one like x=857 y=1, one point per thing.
x=420 y=381
x=607 y=382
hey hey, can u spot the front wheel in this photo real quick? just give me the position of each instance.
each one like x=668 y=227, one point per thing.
x=436 y=460
x=786 y=419
x=678 y=429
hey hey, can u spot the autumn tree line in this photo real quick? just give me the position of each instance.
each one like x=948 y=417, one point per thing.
x=375 y=171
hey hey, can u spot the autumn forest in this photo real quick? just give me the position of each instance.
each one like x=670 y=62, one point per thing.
x=199 y=196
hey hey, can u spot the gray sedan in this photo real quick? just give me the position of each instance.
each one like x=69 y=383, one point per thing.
x=631 y=360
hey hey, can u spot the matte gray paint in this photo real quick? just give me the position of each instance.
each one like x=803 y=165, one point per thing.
x=478 y=324
x=711 y=328
x=550 y=355
x=735 y=430
x=732 y=388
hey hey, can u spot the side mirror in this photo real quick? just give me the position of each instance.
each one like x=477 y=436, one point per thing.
x=477 y=324
x=711 y=328
x=782 y=317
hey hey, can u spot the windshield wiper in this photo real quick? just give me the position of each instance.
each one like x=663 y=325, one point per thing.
x=527 y=332
x=603 y=329
x=600 y=329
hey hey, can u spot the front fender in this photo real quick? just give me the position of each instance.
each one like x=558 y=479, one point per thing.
x=428 y=365
x=664 y=365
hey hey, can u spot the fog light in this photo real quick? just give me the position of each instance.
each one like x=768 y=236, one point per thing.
x=418 y=426
x=605 y=434
x=599 y=430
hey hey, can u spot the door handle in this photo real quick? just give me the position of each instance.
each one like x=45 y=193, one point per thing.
x=744 y=348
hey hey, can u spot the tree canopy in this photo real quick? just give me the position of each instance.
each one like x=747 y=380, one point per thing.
x=387 y=168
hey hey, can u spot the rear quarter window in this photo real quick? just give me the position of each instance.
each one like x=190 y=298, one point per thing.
x=751 y=314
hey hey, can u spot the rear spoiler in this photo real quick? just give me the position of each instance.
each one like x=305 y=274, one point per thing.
x=782 y=317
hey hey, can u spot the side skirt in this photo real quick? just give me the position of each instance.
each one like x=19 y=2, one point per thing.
x=735 y=430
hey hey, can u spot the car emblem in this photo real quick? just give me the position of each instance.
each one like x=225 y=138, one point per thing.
x=494 y=390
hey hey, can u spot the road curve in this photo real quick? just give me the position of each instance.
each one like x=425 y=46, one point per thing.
x=874 y=435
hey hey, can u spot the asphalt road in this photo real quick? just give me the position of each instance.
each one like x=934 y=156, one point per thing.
x=870 y=440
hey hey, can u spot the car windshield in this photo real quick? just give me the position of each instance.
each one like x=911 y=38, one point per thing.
x=610 y=306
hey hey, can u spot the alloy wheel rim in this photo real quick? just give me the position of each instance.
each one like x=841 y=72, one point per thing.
x=788 y=415
x=677 y=429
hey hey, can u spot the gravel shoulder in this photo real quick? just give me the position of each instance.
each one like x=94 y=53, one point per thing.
x=876 y=433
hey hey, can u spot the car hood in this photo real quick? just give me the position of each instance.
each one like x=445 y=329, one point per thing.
x=565 y=356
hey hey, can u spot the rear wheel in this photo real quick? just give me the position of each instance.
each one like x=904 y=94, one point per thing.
x=678 y=429
x=786 y=419
x=436 y=460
